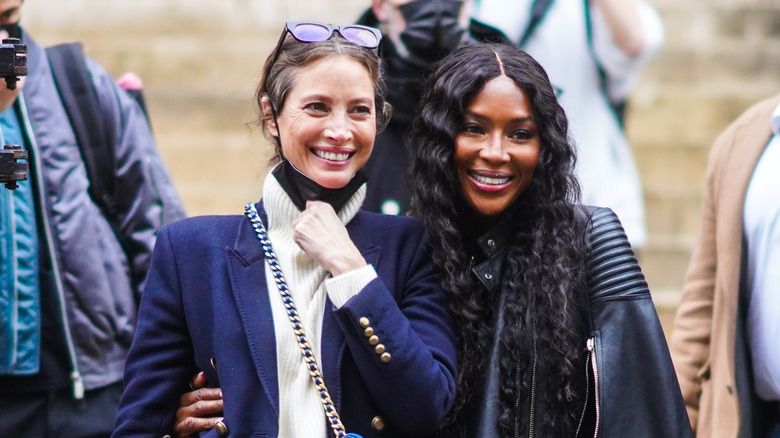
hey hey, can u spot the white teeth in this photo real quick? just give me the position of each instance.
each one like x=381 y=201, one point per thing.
x=332 y=156
x=490 y=181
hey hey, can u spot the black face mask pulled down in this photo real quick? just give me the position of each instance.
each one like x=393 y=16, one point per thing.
x=300 y=188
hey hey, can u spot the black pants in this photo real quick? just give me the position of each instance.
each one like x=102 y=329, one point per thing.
x=59 y=415
x=774 y=422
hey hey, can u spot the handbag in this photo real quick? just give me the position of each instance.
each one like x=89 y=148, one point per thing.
x=303 y=342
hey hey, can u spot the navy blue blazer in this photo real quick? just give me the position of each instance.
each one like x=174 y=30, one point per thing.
x=206 y=307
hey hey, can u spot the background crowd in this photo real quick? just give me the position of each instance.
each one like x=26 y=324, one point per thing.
x=672 y=211
x=714 y=63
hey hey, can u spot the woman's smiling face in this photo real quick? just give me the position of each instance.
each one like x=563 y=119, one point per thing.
x=328 y=123
x=497 y=148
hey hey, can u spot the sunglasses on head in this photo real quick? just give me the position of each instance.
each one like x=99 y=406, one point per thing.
x=312 y=32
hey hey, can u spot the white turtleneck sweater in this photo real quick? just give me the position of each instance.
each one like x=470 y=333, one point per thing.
x=300 y=407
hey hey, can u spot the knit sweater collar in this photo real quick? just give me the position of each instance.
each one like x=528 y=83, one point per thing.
x=300 y=188
x=282 y=210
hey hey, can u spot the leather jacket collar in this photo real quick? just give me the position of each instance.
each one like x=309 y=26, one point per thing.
x=490 y=248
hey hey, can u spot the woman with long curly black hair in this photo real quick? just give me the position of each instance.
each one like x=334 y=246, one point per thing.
x=557 y=333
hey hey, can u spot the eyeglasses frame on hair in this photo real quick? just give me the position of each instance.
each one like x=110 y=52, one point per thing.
x=290 y=26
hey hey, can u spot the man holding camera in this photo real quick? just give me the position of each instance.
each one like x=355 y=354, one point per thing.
x=70 y=272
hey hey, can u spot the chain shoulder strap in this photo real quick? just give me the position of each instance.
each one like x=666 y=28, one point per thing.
x=303 y=342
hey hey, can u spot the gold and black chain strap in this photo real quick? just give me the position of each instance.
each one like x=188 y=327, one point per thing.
x=308 y=356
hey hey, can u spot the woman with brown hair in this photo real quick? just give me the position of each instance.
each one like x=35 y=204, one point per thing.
x=314 y=318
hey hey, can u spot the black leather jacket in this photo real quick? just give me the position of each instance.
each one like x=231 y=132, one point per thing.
x=636 y=390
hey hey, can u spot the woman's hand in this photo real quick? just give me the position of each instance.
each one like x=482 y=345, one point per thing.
x=199 y=410
x=320 y=233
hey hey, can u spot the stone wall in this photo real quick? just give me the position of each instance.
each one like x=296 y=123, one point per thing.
x=200 y=62
x=719 y=58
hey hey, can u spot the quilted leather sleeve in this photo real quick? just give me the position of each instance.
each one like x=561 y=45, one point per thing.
x=637 y=389
x=613 y=271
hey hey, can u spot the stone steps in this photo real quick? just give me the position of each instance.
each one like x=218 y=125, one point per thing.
x=200 y=61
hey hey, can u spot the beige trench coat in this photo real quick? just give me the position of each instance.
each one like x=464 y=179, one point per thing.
x=703 y=340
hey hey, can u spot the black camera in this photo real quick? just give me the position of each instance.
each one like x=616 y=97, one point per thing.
x=13 y=64
x=13 y=61
x=11 y=169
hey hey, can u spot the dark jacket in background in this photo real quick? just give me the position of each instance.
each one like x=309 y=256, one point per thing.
x=432 y=31
x=90 y=275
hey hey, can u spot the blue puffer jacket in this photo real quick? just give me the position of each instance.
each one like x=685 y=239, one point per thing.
x=97 y=282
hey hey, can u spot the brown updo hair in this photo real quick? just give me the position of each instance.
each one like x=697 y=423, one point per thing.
x=281 y=69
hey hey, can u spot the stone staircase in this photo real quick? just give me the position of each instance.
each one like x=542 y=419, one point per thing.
x=201 y=59
x=719 y=58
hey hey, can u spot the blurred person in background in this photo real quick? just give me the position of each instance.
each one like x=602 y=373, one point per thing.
x=70 y=278
x=593 y=51
x=417 y=33
x=725 y=338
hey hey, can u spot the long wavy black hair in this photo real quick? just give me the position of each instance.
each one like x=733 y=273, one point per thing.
x=543 y=264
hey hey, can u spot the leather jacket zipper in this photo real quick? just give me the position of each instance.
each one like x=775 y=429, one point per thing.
x=533 y=395
x=532 y=410
x=587 y=392
x=594 y=366
x=517 y=400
